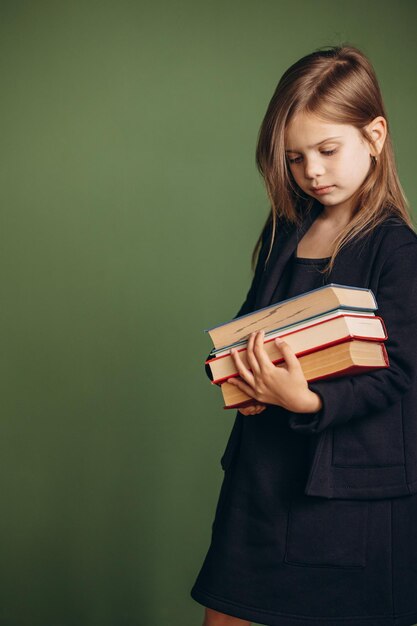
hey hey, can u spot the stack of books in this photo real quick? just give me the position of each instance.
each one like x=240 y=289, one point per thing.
x=333 y=330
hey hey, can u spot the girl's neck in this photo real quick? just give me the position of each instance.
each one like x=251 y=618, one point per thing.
x=336 y=216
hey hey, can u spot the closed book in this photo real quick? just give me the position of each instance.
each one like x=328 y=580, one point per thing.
x=312 y=337
x=302 y=307
x=290 y=327
x=343 y=359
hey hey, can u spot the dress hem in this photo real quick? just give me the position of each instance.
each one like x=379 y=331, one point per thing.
x=286 y=619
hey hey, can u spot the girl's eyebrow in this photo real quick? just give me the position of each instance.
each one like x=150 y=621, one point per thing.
x=317 y=144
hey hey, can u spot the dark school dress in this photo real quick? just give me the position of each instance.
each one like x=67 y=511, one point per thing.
x=272 y=547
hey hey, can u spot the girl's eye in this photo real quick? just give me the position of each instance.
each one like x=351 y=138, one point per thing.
x=298 y=159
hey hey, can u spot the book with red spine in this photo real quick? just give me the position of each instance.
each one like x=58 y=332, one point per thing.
x=343 y=359
x=310 y=338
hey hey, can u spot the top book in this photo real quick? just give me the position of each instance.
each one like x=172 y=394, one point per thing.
x=302 y=307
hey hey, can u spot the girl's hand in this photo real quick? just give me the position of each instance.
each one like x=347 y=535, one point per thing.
x=267 y=383
x=252 y=409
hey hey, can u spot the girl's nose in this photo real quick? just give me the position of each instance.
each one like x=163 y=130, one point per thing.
x=313 y=168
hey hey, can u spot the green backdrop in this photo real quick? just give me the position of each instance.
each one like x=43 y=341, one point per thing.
x=130 y=204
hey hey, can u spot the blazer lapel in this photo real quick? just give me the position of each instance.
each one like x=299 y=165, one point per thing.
x=284 y=246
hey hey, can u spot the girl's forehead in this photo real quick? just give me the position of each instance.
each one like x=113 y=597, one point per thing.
x=310 y=129
x=313 y=123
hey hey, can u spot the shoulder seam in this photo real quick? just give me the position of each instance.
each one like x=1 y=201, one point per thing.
x=399 y=223
x=403 y=245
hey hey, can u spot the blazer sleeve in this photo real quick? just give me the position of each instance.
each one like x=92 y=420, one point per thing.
x=248 y=304
x=356 y=396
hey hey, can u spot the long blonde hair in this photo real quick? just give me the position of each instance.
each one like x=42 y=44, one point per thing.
x=338 y=84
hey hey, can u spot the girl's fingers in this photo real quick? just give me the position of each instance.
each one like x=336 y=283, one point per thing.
x=241 y=368
x=249 y=410
x=253 y=409
x=291 y=361
x=250 y=356
x=242 y=385
x=259 y=348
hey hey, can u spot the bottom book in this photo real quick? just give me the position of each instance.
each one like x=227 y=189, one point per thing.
x=344 y=359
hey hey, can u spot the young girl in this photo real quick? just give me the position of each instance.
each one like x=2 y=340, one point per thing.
x=316 y=522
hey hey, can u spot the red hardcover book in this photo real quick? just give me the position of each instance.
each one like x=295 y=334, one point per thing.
x=346 y=358
x=310 y=338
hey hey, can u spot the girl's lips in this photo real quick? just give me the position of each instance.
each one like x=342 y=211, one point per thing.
x=320 y=191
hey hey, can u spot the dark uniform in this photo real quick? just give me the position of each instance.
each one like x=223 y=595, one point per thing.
x=316 y=522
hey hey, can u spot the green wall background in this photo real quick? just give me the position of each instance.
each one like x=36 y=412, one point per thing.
x=130 y=204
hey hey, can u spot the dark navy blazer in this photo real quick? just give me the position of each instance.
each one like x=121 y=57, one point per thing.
x=363 y=441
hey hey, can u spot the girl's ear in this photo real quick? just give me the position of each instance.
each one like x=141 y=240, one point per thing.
x=377 y=130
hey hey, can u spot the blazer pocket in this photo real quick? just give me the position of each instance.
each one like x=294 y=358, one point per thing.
x=326 y=533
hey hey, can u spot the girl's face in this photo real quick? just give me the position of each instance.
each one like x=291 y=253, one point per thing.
x=333 y=157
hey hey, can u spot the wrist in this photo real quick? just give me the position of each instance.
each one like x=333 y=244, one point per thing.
x=313 y=402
